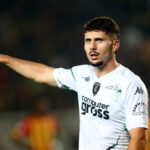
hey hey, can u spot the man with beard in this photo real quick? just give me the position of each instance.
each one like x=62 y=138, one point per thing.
x=112 y=99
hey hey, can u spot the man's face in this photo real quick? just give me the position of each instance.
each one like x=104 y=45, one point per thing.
x=98 y=47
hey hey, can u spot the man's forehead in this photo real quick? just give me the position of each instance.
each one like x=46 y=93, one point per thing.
x=99 y=34
x=95 y=34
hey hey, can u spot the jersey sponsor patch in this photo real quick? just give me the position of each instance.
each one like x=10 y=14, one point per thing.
x=89 y=106
x=114 y=87
x=87 y=79
x=140 y=109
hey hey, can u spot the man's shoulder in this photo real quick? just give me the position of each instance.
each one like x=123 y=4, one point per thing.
x=82 y=69
x=86 y=66
x=129 y=76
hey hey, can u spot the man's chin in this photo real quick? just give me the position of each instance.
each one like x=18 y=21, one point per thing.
x=98 y=64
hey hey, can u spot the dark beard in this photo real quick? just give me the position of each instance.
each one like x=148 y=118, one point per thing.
x=99 y=64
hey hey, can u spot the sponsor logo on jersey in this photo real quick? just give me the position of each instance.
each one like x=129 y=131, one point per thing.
x=96 y=88
x=140 y=109
x=139 y=90
x=87 y=79
x=89 y=106
x=114 y=87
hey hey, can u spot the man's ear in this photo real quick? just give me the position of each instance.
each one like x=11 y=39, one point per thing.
x=116 y=44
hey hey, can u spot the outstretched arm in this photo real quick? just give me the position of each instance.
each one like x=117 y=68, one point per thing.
x=138 y=139
x=36 y=71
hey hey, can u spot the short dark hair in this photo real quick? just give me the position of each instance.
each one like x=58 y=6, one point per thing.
x=105 y=24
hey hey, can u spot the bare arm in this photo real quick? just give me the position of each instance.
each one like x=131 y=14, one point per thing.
x=36 y=71
x=138 y=139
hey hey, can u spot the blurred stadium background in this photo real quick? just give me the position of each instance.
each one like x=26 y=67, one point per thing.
x=50 y=32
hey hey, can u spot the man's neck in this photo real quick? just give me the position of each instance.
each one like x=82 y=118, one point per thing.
x=109 y=67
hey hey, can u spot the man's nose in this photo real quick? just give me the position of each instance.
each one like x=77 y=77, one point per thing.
x=93 y=45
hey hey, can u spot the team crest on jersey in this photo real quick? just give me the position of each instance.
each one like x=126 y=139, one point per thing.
x=96 y=88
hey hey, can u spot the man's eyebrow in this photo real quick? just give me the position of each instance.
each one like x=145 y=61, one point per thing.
x=98 y=38
x=87 y=39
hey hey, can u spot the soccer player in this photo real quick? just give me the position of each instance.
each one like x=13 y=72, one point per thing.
x=112 y=99
x=40 y=127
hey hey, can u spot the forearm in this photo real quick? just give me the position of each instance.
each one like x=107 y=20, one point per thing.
x=36 y=71
x=136 y=144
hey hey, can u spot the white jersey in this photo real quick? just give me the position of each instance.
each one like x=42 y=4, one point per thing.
x=109 y=106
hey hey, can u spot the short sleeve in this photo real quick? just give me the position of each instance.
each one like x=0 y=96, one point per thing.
x=65 y=78
x=136 y=106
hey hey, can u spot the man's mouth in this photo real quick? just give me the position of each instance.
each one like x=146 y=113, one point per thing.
x=93 y=55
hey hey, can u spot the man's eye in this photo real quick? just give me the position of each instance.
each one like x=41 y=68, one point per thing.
x=99 y=40
x=87 y=40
